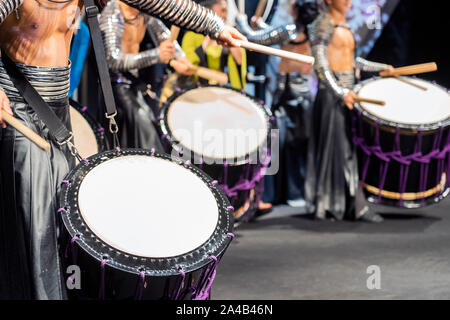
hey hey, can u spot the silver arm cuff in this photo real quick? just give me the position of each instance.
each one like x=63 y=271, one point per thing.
x=369 y=66
x=321 y=31
x=269 y=36
x=183 y=13
x=112 y=26
x=7 y=7
x=159 y=33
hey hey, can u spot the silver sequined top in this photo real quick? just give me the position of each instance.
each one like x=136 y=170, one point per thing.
x=321 y=32
x=266 y=35
x=112 y=26
x=183 y=13
x=52 y=83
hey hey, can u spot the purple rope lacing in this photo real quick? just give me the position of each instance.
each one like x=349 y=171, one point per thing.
x=207 y=281
x=245 y=182
x=176 y=293
x=140 y=287
x=101 y=294
x=101 y=129
x=118 y=151
x=207 y=277
x=84 y=109
x=396 y=155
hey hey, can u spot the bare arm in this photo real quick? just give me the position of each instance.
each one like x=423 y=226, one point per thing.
x=112 y=26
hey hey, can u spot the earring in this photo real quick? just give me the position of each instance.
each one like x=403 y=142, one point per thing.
x=17 y=14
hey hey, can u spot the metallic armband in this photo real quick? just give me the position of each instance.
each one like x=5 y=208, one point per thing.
x=369 y=66
x=7 y=7
x=183 y=13
x=320 y=33
x=268 y=36
x=112 y=27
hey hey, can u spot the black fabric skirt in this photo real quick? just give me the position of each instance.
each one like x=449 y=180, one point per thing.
x=135 y=119
x=332 y=178
x=30 y=179
x=292 y=106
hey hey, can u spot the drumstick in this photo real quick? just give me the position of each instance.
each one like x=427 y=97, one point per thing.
x=373 y=101
x=277 y=52
x=242 y=6
x=27 y=132
x=205 y=73
x=415 y=69
x=260 y=8
x=174 y=32
x=411 y=83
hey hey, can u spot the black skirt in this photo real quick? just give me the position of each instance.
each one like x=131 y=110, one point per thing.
x=135 y=118
x=30 y=179
x=332 y=179
x=292 y=106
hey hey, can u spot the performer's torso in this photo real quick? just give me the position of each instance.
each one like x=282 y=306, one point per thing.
x=341 y=50
x=42 y=32
x=134 y=29
x=289 y=66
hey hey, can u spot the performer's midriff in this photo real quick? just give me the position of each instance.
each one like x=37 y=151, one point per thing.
x=290 y=66
x=39 y=35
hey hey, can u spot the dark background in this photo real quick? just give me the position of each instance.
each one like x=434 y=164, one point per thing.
x=417 y=32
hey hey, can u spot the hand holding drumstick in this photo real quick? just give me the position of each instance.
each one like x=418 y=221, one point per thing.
x=6 y=116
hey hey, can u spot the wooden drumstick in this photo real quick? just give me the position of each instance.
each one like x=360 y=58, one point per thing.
x=367 y=100
x=277 y=52
x=416 y=69
x=205 y=73
x=260 y=8
x=242 y=6
x=174 y=32
x=27 y=132
x=411 y=83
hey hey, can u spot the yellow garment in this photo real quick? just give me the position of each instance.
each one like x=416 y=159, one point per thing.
x=192 y=41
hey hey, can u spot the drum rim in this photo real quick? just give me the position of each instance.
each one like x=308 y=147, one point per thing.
x=95 y=126
x=167 y=134
x=404 y=126
x=91 y=244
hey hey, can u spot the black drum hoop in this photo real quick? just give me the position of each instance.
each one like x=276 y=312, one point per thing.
x=391 y=126
x=167 y=134
x=99 y=131
x=87 y=240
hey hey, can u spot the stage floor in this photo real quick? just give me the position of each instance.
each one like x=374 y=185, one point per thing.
x=285 y=255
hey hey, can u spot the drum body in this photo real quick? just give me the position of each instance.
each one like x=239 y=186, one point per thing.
x=142 y=226
x=226 y=134
x=89 y=136
x=403 y=147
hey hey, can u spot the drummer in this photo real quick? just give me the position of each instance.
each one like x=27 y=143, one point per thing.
x=332 y=181
x=37 y=34
x=203 y=51
x=123 y=29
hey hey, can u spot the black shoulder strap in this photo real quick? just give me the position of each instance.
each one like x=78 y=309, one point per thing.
x=55 y=126
x=100 y=57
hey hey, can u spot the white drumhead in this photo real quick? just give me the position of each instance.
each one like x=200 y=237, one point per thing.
x=217 y=123
x=406 y=104
x=83 y=135
x=148 y=206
